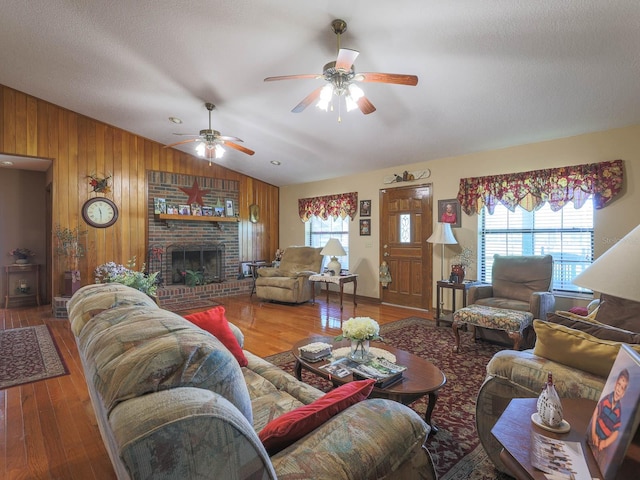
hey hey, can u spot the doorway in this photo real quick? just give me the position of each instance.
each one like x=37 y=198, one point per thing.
x=405 y=224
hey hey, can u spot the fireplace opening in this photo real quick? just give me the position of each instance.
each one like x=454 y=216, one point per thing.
x=193 y=264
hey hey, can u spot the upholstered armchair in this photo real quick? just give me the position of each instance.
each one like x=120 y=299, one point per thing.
x=518 y=283
x=290 y=281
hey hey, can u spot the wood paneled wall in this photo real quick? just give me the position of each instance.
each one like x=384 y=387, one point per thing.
x=80 y=146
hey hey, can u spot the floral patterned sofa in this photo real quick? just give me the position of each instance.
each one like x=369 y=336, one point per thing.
x=173 y=402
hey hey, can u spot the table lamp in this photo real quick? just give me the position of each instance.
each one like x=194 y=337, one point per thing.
x=443 y=236
x=616 y=271
x=333 y=249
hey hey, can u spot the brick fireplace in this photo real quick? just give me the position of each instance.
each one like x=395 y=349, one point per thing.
x=208 y=247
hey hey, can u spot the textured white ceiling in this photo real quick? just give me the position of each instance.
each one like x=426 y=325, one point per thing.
x=492 y=73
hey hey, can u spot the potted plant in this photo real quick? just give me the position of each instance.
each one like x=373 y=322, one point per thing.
x=70 y=247
x=21 y=255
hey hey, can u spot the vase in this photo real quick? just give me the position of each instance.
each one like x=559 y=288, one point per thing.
x=458 y=271
x=359 y=350
x=549 y=405
x=71 y=282
x=22 y=261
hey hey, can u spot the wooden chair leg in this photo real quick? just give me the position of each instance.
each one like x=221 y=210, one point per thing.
x=454 y=326
x=517 y=339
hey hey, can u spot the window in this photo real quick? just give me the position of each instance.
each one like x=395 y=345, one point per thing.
x=567 y=235
x=317 y=233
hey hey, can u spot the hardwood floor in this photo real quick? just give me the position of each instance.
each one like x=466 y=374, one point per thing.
x=48 y=429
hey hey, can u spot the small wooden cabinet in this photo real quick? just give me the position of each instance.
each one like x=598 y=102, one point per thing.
x=16 y=273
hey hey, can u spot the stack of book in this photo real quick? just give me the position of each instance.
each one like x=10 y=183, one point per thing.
x=315 y=351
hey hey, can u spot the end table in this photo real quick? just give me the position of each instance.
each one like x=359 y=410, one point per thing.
x=454 y=287
x=513 y=431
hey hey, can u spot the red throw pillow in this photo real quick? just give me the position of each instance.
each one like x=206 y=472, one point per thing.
x=582 y=311
x=215 y=322
x=281 y=432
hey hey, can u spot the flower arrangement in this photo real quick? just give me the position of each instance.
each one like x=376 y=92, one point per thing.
x=99 y=185
x=464 y=258
x=21 y=253
x=69 y=245
x=111 y=272
x=360 y=329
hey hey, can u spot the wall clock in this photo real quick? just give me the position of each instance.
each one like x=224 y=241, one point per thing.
x=100 y=212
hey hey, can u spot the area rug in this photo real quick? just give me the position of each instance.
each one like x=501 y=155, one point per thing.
x=455 y=449
x=27 y=355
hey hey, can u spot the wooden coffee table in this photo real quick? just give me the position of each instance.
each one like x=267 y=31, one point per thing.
x=419 y=379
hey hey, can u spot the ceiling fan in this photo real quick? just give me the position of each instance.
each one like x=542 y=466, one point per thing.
x=341 y=77
x=211 y=142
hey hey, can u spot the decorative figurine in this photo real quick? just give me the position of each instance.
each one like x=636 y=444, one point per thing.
x=385 y=275
x=549 y=406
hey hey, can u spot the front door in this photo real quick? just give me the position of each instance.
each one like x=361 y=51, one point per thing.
x=405 y=224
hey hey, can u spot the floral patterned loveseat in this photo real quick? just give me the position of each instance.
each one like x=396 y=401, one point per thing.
x=172 y=402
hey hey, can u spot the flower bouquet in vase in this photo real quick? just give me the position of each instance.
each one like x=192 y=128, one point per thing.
x=70 y=248
x=360 y=330
x=21 y=255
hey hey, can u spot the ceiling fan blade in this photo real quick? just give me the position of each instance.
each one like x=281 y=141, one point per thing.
x=293 y=77
x=365 y=105
x=182 y=142
x=227 y=138
x=397 y=78
x=346 y=57
x=238 y=147
x=187 y=134
x=308 y=100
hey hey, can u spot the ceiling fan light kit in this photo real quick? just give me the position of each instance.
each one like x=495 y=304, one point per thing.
x=211 y=142
x=340 y=77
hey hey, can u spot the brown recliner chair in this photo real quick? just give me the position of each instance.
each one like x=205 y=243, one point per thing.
x=290 y=281
x=518 y=283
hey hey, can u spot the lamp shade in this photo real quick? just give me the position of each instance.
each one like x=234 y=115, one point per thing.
x=442 y=235
x=617 y=271
x=333 y=248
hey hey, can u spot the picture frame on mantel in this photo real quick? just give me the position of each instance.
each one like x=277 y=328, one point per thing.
x=229 y=208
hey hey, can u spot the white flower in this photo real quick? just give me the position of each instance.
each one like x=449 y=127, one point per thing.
x=360 y=328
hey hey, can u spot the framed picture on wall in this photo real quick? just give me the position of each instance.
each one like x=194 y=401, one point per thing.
x=365 y=208
x=449 y=212
x=365 y=227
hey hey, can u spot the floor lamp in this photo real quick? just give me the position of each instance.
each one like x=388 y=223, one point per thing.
x=443 y=236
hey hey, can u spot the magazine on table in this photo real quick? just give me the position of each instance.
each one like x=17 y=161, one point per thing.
x=558 y=458
x=384 y=372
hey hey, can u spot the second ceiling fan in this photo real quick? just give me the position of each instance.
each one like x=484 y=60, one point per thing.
x=341 y=80
x=211 y=142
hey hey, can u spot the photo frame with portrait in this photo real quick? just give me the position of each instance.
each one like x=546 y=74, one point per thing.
x=365 y=208
x=229 y=208
x=610 y=458
x=449 y=212
x=365 y=227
